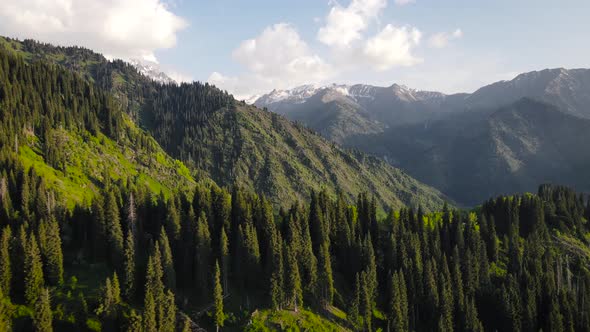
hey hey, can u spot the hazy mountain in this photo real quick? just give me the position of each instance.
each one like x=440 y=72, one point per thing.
x=339 y=111
x=430 y=134
x=470 y=156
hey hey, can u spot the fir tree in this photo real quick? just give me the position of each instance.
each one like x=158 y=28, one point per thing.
x=218 y=315
x=42 y=317
x=52 y=254
x=167 y=261
x=294 y=291
x=5 y=263
x=129 y=266
x=33 y=272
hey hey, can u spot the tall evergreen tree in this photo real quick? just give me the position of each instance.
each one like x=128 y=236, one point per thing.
x=129 y=266
x=218 y=315
x=52 y=253
x=294 y=292
x=5 y=263
x=114 y=231
x=33 y=272
x=167 y=261
x=42 y=317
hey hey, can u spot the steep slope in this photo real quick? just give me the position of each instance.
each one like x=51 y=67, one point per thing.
x=569 y=90
x=231 y=142
x=513 y=149
x=69 y=132
x=341 y=111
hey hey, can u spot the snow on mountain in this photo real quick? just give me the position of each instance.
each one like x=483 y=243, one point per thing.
x=357 y=92
x=151 y=70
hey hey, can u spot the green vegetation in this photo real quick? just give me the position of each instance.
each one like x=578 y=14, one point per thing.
x=286 y=320
x=102 y=231
x=231 y=142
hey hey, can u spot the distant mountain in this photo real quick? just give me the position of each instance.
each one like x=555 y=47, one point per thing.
x=512 y=149
x=458 y=142
x=569 y=90
x=151 y=70
x=339 y=111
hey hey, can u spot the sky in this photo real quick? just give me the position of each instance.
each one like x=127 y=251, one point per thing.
x=250 y=47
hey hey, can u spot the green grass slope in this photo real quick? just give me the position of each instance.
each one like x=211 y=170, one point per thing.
x=89 y=159
x=286 y=320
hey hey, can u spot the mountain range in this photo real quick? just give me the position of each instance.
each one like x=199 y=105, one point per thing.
x=448 y=141
x=232 y=143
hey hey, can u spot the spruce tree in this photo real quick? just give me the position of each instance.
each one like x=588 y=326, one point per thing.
x=52 y=253
x=4 y=316
x=33 y=272
x=218 y=315
x=167 y=261
x=5 y=263
x=224 y=255
x=129 y=266
x=325 y=280
x=114 y=231
x=294 y=291
x=134 y=323
x=42 y=317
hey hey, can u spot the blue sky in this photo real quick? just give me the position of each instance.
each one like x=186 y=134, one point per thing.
x=250 y=47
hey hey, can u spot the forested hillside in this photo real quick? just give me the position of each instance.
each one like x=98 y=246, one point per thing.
x=230 y=142
x=101 y=230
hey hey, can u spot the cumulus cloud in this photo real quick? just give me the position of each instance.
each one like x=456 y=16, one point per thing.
x=277 y=58
x=345 y=25
x=442 y=39
x=117 y=28
x=392 y=47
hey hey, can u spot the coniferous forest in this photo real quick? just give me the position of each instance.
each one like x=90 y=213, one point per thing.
x=151 y=245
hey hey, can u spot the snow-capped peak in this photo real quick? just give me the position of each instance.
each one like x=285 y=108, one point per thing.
x=152 y=70
x=296 y=95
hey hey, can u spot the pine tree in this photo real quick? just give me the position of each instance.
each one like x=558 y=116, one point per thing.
x=218 y=315
x=134 y=323
x=129 y=266
x=294 y=291
x=167 y=261
x=33 y=272
x=42 y=317
x=203 y=255
x=52 y=253
x=325 y=281
x=168 y=322
x=224 y=255
x=398 y=307
x=4 y=316
x=149 y=313
x=5 y=263
x=114 y=231
x=366 y=302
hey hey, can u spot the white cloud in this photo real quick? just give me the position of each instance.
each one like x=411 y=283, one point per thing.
x=345 y=25
x=118 y=28
x=442 y=39
x=404 y=2
x=277 y=58
x=392 y=47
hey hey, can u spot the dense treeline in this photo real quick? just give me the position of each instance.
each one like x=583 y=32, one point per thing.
x=216 y=255
x=518 y=263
